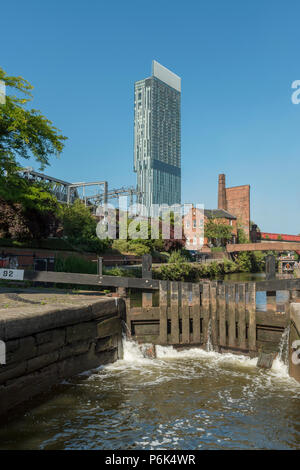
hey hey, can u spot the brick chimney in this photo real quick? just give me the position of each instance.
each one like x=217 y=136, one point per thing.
x=221 y=192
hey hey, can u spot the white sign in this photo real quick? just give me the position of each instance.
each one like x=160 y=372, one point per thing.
x=12 y=274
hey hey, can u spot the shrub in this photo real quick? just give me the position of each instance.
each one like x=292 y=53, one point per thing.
x=138 y=249
x=75 y=264
x=117 y=271
x=120 y=245
x=177 y=257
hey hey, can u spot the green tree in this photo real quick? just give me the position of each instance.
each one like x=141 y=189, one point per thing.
x=241 y=236
x=217 y=233
x=79 y=226
x=24 y=132
x=28 y=209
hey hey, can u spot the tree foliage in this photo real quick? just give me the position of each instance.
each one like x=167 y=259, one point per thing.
x=217 y=233
x=241 y=236
x=24 y=132
x=146 y=244
x=28 y=209
x=79 y=226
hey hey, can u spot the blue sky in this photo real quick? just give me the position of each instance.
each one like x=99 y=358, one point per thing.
x=237 y=61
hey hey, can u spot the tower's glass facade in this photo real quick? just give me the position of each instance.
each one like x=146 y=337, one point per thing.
x=157 y=146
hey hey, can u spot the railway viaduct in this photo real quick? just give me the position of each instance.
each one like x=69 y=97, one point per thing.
x=263 y=246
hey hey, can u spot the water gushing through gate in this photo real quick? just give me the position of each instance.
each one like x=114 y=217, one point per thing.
x=283 y=354
x=209 y=345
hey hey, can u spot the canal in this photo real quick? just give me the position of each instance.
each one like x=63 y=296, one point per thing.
x=190 y=399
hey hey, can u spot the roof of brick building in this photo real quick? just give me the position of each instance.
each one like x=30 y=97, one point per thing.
x=218 y=214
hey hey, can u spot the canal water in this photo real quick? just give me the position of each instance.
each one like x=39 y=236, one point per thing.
x=181 y=400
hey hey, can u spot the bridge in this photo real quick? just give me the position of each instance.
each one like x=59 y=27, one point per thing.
x=91 y=193
x=263 y=246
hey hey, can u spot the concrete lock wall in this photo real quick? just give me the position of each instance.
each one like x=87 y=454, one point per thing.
x=45 y=347
x=294 y=341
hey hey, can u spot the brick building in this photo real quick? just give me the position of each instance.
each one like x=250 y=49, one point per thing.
x=236 y=201
x=194 y=222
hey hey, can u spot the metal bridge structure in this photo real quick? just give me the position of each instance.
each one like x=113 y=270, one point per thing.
x=91 y=193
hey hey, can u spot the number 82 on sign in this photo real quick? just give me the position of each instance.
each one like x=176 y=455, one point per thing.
x=12 y=274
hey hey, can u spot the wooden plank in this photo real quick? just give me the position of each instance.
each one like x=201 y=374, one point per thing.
x=271 y=301
x=90 y=279
x=231 y=315
x=130 y=282
x=145 y=313
x=252 y=316
x=278 y=284
x=117 y=281
x=185 y=313
x=128 y=316
x=213 y=312
x=271 y=319
x=163 y=305
x=222 y=314
x=196 y=313
x=205 y=310
x=147 y=274
x=174 y=313
x=58 y=277
x=242 y=316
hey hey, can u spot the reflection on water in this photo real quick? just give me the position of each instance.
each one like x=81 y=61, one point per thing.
x=181 y=400
x=261 y=300
x=245 y=277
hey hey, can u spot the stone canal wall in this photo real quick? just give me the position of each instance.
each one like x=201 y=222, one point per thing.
x=294 y=359
x=48 y=343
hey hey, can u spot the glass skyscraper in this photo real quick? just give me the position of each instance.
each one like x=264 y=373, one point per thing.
x=157 y=145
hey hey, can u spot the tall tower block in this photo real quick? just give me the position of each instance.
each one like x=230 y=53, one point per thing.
x=157 y=137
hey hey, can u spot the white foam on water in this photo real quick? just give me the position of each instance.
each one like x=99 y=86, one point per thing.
x=167 y=366
x=279 y=368
x=168 y=352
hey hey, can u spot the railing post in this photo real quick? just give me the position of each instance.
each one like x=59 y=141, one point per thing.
x=252 y=316
x=196 y=313
x=174 y=313
x=270 y=275
x=231 y=316
x=270 y=267
x=147 y=274
x=205 y=310
x=213 y=312
x=100 y=266
x=242 y=316
x=185 y=313
x=163 y=307
x=222 y=314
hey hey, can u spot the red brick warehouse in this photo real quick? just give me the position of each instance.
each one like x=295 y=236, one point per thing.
x=236 y=201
